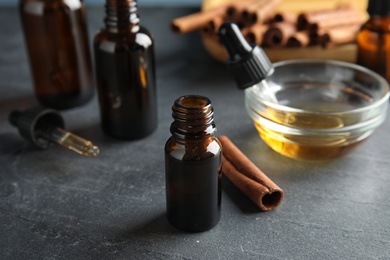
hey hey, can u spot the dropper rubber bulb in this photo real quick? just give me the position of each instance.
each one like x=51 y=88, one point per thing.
x=248 y=64
x=234 y=41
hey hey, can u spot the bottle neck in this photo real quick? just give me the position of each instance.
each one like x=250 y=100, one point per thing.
x=193 y=119
x=378 y=8
x=121 y=16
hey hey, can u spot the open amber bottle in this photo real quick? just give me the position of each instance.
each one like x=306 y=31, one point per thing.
x=57 y=44
x=193 y=166
x=125 y=72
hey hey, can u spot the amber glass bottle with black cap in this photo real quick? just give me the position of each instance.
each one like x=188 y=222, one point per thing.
x=58 y=48
x=374 y=39
x=193 y=166
x=125 y=72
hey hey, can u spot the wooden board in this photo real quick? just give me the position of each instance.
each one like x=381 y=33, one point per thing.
x=345 y=52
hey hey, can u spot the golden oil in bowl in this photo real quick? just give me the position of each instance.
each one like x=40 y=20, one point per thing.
x=323 y=109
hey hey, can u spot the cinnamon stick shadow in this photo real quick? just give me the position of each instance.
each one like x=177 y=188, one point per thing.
x=238 y=198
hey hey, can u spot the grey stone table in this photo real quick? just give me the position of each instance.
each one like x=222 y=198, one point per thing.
x=55 y=204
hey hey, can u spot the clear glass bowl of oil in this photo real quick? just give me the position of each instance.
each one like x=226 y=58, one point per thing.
x=317 y=109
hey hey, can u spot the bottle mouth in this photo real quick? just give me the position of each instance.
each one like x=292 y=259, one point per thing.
x=193 y=117
x=192 y=102
x=194 y=108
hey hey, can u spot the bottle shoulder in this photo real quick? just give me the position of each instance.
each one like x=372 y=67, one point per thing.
x=40 y=6
x=377 y=25
x=193 y=150
x=126 y=41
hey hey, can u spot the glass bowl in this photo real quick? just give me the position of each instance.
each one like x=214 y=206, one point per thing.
x=317 y=109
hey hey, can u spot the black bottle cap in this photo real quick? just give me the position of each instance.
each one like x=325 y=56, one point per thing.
x=378 y=7
x=30 y=121
x=249 y=65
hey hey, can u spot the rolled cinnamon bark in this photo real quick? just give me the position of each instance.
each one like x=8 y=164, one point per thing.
x=278 y=34
x=299 y=39
x=260 y=11
x=351 y=19
x=339 y=35
x=285 y=17
x=213 y=25
x=197 y=20
x=308 y=18
x=255 y=33
x=234 y=10
x=248 y=178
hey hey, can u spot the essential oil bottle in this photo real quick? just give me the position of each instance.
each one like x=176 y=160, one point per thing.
x=374 y=39
x=58 y=48
x=193 y=166
x=125 y=72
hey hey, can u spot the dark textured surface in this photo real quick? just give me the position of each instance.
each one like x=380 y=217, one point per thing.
x=55 y=204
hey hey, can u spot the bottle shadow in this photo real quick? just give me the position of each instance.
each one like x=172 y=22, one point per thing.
x=239 y=198
x=154 y=227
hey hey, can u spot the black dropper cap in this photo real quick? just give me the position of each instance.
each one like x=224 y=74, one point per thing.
x=378 y=8
x=249 y=65
x=30 y=121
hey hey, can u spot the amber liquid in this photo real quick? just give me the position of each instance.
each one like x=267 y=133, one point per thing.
x=315 y=147
x=193 y=193
x=60 y=61
x=126 y=84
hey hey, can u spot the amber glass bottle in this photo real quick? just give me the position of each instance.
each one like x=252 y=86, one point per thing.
x=374 y=39
x=193 y=166
x=57 y=44
x=125 y=71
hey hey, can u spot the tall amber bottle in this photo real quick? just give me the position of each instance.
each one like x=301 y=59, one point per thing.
x=57 y=44
x=125 y=71
x=193 y=166
x=374 y=39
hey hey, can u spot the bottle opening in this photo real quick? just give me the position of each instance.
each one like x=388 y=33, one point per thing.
x=193 y=117
x=192 y=102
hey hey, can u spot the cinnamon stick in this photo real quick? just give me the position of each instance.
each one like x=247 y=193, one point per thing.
x=299 y=39
x=255 y=33
x=260 y=11
x=248 y=178
x=196 y=21
x=285 y=17
x=213 y=25
x=348 y=19
x=338 y=35
x=306 y=19
x=235 y=9
x=278 y=34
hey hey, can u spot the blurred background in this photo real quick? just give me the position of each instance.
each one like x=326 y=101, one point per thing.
x=142 y=2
